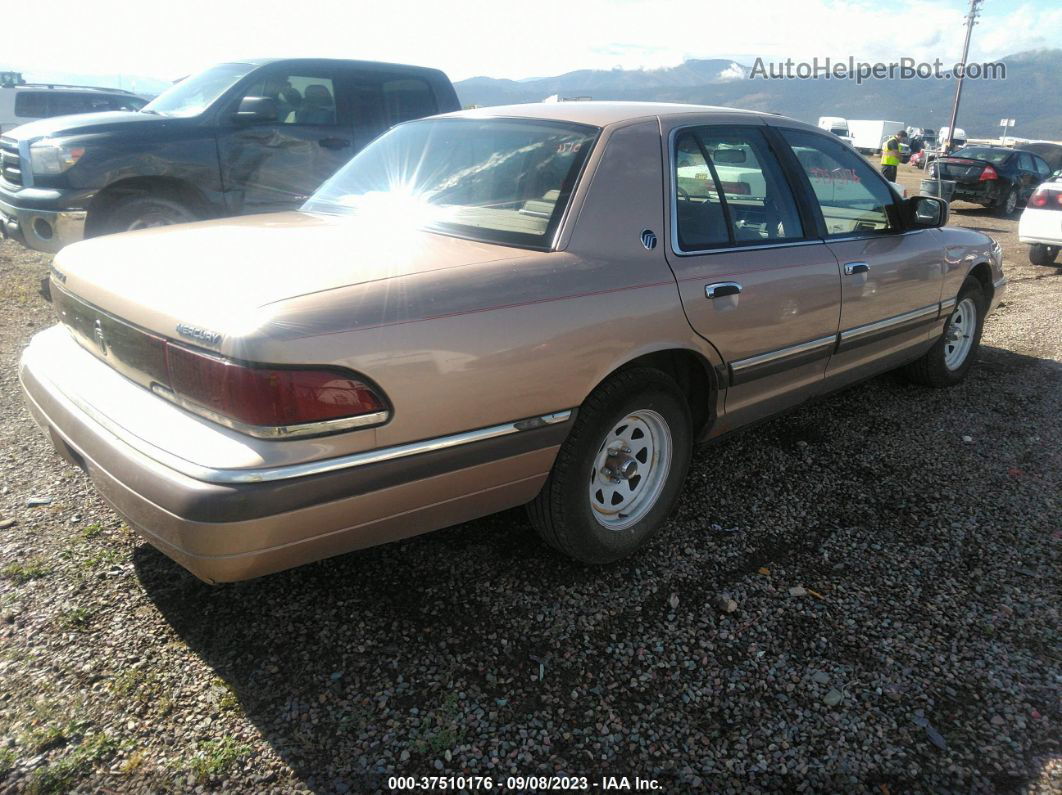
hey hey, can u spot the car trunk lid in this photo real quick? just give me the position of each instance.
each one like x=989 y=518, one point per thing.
x=962 y=169
x=209 y=282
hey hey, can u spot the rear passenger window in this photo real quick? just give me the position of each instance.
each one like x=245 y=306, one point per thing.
x=730 y=190
x=854 y=199
x=1025 y=162
x=31 y=104
x=64 y=103
x=1042 y=168
x=407 y=99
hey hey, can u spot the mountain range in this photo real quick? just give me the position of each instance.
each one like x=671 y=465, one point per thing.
x=1030 y=93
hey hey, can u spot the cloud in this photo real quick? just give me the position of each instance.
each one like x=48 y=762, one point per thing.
x=732 y=72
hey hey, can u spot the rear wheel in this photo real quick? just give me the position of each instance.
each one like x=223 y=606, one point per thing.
x=950 y=358
x=1009 y=204
x=619 y=472
x=145 y=212
x=1040 y=254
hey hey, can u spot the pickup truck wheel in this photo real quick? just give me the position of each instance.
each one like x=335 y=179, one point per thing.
x=1040 y=254
x=619 y=472
x=1008 y=205
x=144 y=212
x=950 y=358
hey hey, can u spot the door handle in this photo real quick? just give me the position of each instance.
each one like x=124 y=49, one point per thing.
x=334 y=143
x=852 y=268
x=721 y=289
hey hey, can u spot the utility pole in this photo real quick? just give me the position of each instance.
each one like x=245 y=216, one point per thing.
x=971 y=20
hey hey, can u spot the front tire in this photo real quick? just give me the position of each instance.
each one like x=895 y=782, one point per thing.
x=949 y=360
x=146 y=212
x=620 y=471
x=1040 y=254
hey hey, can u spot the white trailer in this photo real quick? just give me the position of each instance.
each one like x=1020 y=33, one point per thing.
x=869 y=134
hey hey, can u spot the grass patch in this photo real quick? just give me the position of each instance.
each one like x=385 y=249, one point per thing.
x=32 y=569
x=62 y=774
x=133 y=761
x=7 y=760
x=76 y=618
x=91 y=531
x=108 y=556
x=214 y=757
x=441 y=729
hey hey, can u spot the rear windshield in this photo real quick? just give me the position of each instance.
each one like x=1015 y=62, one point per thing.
x=994 y=156
x=497 y=180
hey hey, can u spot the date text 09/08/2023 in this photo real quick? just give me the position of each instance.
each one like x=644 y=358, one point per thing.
x=523 y=783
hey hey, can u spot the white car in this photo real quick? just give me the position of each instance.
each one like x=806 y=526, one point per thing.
x=1041 y=223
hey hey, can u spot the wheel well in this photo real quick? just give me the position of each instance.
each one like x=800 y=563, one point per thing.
x=165 y=187
x=692 y=373
x=983 y=273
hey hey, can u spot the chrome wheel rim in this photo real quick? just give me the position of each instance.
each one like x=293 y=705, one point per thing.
x=958 y=337
x=630 y=469
x=1012 y=202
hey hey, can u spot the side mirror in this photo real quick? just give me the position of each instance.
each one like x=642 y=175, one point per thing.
x=257 y=109
x=927 y=212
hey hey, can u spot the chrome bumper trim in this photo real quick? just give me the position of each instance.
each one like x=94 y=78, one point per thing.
x=68 y=226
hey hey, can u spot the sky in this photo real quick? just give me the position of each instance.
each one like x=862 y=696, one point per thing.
x=496 y=38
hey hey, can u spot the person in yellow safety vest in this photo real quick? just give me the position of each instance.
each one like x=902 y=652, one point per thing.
x=890 y=154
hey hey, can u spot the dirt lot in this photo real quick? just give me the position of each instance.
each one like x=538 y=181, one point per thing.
x=922 y=655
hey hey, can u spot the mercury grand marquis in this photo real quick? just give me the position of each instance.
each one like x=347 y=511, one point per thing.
x=540 y=304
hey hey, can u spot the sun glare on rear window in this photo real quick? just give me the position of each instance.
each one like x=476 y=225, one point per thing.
x=499 y=180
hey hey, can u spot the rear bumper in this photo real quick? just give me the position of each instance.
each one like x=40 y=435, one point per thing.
x=233 y=531
x=40 y=229
x=1040 y=226
x=987 y=192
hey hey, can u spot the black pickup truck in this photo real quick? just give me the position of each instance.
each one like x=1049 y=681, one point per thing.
x=237 y=138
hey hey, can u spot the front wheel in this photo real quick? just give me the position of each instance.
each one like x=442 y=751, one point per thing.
x=950 y=358
x=1040 y=254
x=619 y=472
x=145 y=212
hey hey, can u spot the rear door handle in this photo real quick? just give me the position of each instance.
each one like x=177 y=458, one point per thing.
x=720 y=289
x=852 y=268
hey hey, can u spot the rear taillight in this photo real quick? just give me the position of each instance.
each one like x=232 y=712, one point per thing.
x=987 y=174
x=263 y=401
x=1046 y=200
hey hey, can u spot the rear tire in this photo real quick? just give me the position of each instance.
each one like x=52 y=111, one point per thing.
x=636 y=426
x=1008 y=205
x=949 y=360
x=1040 y=254
x=145 y=212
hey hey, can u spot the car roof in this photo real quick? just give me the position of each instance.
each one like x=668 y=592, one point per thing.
x=598 y=113
x=309 y=59
x=64 y=87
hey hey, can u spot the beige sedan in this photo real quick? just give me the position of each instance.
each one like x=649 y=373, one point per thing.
x=540 y=304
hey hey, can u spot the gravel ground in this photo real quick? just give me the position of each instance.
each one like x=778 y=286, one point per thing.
x=861 y=595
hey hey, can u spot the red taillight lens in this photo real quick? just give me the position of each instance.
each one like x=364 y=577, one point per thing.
x=987 y=174
x=265 y=396
x=1049 y=199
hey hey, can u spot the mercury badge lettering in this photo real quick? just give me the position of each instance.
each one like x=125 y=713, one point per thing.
x=198 y=334
x=523 y=305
